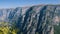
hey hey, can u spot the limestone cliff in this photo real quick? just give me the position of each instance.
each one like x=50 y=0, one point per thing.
x=39 y=19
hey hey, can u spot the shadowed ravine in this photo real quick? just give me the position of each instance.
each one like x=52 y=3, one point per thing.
x=39 y=19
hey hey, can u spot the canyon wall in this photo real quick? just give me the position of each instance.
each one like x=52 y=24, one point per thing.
x=39 y=19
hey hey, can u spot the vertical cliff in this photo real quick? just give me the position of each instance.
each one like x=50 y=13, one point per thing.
x=39 y=19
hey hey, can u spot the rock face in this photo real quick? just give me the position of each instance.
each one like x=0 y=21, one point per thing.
x=38 y=19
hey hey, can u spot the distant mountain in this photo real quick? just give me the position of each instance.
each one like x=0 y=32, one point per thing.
x=39 y=19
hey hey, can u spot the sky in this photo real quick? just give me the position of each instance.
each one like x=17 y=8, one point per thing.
x=22 y=3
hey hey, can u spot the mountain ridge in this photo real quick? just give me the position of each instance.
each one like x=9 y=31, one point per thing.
x=32 y=20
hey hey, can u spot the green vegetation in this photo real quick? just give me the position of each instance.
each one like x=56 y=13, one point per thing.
x=4 y=29
x=37 y=33
x=57 y=29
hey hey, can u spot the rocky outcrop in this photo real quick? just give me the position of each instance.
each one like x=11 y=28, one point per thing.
x=38 y=19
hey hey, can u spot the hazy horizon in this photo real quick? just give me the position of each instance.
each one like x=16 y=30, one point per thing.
x=22 y=3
